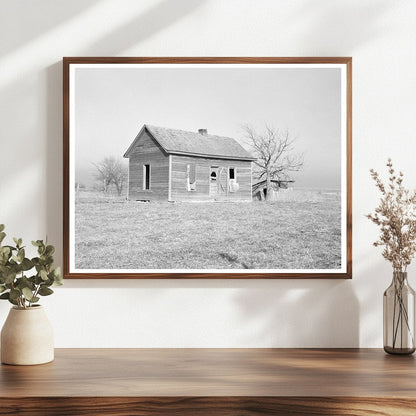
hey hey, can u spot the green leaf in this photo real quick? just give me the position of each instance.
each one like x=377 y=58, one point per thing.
x=43 y=274
x=48 y=282
x=9 y=277
x=45 y=291
x=48 y=260
x=49 y=250
x=15 y=293
x=5 y=250
x=2 y=236
x=13 y=302
x=11 y=248
x=26 y=264
x=21 y=255
x=38 y=280
x=37 y=243
x=58 y=276
x=2 y=227
x=24 y=282
x=7 y=296
x=2 y=288
x=27 y=293
x=4 y=255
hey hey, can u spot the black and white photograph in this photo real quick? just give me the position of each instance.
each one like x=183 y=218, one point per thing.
x=207 y=168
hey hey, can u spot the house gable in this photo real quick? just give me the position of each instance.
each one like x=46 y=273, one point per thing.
x=148 y=169
x=144 y=142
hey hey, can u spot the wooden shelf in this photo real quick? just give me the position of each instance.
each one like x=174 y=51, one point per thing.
x=212 y=382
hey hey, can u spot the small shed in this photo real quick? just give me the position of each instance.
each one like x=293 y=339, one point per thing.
x=176 y=165
x=259 y=188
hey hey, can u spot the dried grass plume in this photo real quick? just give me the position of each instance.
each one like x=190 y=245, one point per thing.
x=396 y=217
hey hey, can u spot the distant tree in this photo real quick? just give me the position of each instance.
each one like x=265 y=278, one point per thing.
x=78 y=186
x=111 y=171
x=275 y=154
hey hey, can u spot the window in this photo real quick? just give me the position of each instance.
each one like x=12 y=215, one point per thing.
x=232 y=180
x=191 y=177
x=231 y=173
x=146 y=177
x=192 y=173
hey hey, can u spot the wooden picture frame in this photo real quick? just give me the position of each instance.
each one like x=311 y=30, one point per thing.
x=90 y=113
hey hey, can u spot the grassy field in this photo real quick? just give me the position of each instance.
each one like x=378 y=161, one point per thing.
x=302 y=230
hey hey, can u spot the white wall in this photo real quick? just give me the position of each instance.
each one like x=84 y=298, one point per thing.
x=380 y=35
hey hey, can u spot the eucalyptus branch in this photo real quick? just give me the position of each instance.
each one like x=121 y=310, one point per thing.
x=15 y=286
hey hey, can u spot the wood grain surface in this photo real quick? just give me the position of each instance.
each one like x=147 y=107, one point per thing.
x=208 y=406
x=212 y=381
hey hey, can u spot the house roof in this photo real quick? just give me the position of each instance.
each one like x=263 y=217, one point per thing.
x=195 y=144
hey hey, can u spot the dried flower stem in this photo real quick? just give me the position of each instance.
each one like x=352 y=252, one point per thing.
x=396 y=217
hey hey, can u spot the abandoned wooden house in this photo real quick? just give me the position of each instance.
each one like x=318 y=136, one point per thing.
x=175 y=165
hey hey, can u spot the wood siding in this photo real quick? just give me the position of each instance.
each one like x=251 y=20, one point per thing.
x=148 y=152
x=179 y=191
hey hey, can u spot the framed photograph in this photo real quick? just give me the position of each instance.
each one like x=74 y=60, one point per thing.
x=207 y=168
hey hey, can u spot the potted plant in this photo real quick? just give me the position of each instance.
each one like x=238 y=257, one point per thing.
x=396 y=217
x=27 y=336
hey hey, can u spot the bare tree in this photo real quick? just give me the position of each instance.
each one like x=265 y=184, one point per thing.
x=111 y=171
x=275 y=154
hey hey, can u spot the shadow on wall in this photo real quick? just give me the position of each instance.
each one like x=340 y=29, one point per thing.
x=261 y=313
x=158 y=17
x=375 y=276
x=155 y=19
x=311 y=17
x=54 y=145
x=44 y=17
x=301 y=313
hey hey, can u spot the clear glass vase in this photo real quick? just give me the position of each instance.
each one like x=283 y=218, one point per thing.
x=399 y=316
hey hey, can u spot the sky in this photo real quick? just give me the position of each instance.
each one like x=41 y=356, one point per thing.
x=112 y=104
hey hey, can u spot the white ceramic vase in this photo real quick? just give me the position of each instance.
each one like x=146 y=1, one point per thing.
x=27 y=337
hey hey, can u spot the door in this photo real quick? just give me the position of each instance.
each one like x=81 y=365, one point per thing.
x=213 y=181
